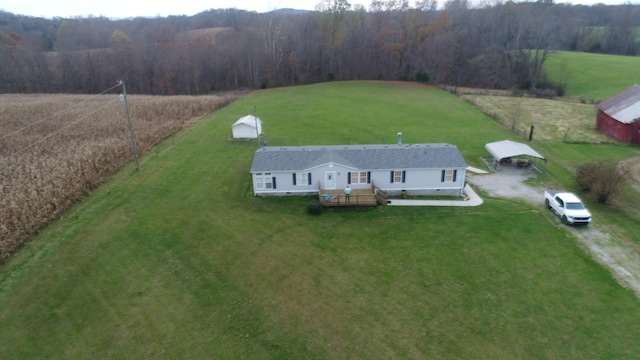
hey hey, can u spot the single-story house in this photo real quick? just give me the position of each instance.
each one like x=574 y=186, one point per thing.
x=506 y=150
x=619 y=116
x=247 y=127
x=418 y=169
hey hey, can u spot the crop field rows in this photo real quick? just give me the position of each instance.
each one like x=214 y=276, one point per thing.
x=54 y=149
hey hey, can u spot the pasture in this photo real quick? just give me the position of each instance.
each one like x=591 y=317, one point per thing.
x=553 y=120
x=180 y=260
x=592 y=77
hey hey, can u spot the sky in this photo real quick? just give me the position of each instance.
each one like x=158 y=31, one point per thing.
x=150 y=8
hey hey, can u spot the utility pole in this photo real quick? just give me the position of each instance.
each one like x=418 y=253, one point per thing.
x=123 y=97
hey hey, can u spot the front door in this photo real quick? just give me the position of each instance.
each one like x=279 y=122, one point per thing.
x=330 y=180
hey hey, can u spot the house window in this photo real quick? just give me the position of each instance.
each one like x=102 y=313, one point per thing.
x=398 y=176
x=449 y=175
x=302 y=178
x=264 y=181
x=359 y=177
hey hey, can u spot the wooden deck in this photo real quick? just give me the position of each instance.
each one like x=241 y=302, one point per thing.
x=359 y=197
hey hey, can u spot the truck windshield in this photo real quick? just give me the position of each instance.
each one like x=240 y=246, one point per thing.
x=575 y=206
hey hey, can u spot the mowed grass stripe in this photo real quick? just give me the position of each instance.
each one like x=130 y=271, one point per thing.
x=181 y=261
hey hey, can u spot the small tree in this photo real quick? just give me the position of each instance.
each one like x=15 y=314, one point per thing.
x=604 y=179
x=314 y=207
x=516 y=113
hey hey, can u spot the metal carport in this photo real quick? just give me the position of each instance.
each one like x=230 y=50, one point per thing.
x=507 y=149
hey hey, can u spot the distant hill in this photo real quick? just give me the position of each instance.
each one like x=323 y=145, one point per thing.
x=289 y=11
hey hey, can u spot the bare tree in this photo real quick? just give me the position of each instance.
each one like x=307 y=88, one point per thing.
x=516 y=112
x=604 y=179
x=494 y=44
x=620 y=36
x=332 y=19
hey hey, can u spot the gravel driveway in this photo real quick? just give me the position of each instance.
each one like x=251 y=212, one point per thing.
x=613 y=253
x=509 y=183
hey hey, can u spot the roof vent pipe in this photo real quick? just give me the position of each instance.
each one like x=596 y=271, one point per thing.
x=399 y=138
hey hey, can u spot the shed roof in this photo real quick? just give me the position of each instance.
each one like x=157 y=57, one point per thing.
x=625 y=106
x=365 y=157
x=507 y=148
x=247 y=120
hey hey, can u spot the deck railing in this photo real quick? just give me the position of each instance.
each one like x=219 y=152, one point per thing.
x=381 y=197
x=358 y=197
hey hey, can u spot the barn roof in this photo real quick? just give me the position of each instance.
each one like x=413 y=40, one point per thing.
x=247 y=120
x=625 y=106
x=507 y=148
x=365 y=157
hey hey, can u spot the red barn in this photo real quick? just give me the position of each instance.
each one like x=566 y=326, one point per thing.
x=620 y=116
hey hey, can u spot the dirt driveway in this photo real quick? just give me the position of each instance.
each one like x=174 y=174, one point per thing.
x=613 y=253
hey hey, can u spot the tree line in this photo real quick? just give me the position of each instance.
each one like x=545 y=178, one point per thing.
x=497 y=45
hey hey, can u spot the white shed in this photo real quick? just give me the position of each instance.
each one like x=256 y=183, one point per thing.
x=248 y=127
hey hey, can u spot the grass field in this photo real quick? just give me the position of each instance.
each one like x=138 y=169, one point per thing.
x=593 y=77
x=179 y=260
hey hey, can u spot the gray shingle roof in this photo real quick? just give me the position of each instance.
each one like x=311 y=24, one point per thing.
x=361 y=157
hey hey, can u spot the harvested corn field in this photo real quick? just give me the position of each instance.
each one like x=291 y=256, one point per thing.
x=54 y=149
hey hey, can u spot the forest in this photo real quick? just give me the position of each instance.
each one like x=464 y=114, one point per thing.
x=494 y=45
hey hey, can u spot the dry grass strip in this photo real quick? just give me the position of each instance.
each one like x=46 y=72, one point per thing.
x=554 y=120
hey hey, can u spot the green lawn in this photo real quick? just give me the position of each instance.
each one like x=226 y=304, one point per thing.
x=180 y=260
x=594 y=77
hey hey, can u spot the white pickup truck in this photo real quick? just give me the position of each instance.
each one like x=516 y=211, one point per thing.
x=567 y=206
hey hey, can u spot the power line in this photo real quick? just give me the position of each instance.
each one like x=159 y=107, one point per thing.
x=58 y=113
